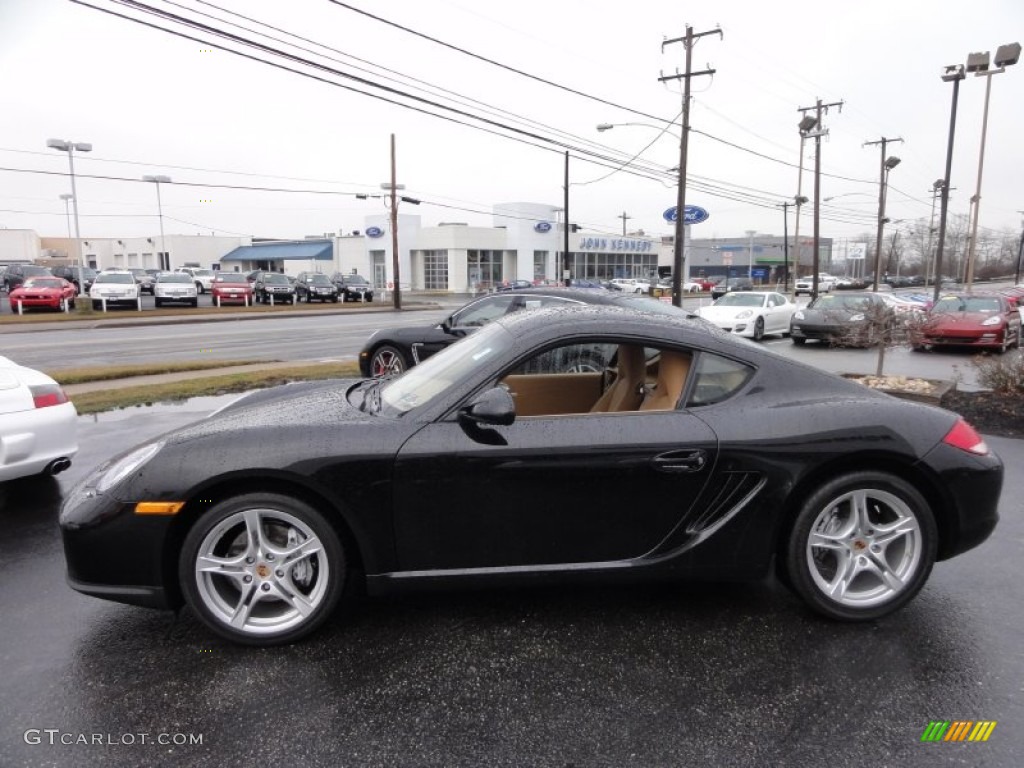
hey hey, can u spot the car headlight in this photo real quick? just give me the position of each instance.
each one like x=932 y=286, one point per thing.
x=798 y=315
x=127 y=464
x=744 y=314
x=994 y=320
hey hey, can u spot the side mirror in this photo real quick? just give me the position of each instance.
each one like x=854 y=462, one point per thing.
x=494 y=406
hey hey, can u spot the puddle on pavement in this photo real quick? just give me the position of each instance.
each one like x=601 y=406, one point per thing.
x=200 y=406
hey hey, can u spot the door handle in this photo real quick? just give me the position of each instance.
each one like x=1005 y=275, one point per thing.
x=681 y=461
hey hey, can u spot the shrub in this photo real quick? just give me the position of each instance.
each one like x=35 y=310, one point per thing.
x=1004 y=374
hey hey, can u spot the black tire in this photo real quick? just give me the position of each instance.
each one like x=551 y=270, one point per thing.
x=387 y=361
x=869 y=535
x=195 y=303
x=250 y=575
x=158 y=303
x=334 y=299
x=798 y=340
x=71 y=304
x=199 y=289
x=759 y=329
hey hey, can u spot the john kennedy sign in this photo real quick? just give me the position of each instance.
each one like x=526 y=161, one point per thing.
x=692 y=214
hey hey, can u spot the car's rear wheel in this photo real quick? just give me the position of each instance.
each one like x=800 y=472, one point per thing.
x=387 y=361
x=798 y=340
x=861 y=546
x=262 y=569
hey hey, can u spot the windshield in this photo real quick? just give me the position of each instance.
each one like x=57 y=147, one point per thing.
x=275 y=279
x=175 y=278
x=202 y=272
x=35 y=271
x=356 y=280
x=235 y=279
x=419 y=385
x=43 y=282
x=115 y=277
x=740 y=300
x=856 y=303
x=968 y=304
x=318 y=279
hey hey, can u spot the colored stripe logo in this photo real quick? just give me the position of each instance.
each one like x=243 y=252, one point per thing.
x=958 y=730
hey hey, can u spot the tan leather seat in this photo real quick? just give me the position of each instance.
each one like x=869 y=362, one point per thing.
x=626 y=392
x=673 y=368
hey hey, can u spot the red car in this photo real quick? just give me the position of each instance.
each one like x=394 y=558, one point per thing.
x=231 y=287
x=48 y=292
x=970 y=320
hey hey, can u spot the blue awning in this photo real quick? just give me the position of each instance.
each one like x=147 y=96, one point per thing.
x=320 y=250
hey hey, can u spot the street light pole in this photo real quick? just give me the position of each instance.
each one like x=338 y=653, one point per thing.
x=954 y=74
x=883 y=181
x=977 y=63
x=62 y=145
x=164 y=257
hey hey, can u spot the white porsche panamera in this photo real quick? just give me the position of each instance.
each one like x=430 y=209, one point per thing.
x=37 y=423
x=751 y=313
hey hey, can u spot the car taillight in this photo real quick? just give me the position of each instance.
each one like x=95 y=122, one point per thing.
x=45 y=395
x=963 y=436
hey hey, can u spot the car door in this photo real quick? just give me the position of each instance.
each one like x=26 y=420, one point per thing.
x=548 y=490
x=777 y=313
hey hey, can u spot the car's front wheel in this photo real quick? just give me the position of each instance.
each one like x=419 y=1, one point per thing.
x=759 y=329
x=861 y=546
x=387 y=361
x=262 y=569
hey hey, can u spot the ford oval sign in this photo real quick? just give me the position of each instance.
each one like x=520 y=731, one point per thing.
x=374 y=231
x=542 y=226
x=693 y=214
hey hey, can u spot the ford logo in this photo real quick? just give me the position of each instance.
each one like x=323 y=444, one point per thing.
x=542 y=226
x=692 y=214
x=374 y=231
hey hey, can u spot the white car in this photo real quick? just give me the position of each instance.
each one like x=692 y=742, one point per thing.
x=203 y=278
x=751 y=313
x=826 y=283
x=37 y=423
x=116 y=286
x=632 y=285
x=175 y=287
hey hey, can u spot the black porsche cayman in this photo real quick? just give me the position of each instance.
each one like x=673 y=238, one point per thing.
x=500 y=461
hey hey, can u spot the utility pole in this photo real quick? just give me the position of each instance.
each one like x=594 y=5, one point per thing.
x=885 y=167
x=565 y=249
x=397 y=294
x=817 y=133
x=785 y=245
x=624 y=217
x=1020 y=253
x=688 y=41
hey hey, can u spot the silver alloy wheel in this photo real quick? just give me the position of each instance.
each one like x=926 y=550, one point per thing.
x=262 y=571
x=387 y=361
x=864 y=548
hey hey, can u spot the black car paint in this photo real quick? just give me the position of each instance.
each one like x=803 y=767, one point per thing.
x=421 y=503
x=415 y=344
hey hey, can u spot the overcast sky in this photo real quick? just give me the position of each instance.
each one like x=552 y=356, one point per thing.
x=151 y=102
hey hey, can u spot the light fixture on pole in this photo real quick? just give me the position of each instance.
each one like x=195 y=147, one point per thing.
x=163 y=257
x=953 y=73
x=62 y=145
x=978 y=63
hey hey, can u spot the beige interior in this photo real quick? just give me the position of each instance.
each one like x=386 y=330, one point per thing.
x=639 y=385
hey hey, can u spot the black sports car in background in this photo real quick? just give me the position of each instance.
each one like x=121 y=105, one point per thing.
x=393 y=350
x=493 y=464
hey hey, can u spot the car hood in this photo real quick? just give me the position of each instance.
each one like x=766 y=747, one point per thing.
x=958 y=319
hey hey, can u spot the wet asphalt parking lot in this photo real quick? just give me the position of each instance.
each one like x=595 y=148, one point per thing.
x=644 y=675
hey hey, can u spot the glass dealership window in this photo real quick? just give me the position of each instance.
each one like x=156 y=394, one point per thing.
x=605 y=266
x=435 y=270
x=484 y=268
x=540 y=262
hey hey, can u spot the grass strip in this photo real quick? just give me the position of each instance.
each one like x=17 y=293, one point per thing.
x=69 y=376
x=126 y=397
